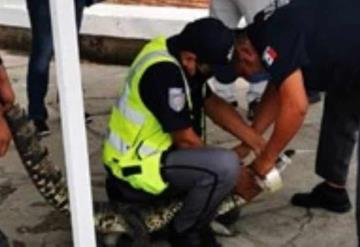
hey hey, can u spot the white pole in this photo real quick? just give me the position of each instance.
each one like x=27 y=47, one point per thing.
x=73 y=122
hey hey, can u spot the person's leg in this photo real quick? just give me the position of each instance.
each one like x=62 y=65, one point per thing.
x=206 y=176
x=201 y=178
x=226 y=11
x=251 y=8
x=41 y=53
x=79 y=9
x=229 y=13
x=338 y=135
x=337 y=140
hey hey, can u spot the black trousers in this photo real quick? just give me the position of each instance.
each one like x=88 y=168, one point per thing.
x=338 y=135
x=201 y=177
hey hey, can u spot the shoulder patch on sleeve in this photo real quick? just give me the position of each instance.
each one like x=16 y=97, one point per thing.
x=176 y=99
x=269 y=56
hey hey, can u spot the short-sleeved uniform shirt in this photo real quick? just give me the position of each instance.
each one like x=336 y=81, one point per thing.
x=162 y=89
x=320 y=37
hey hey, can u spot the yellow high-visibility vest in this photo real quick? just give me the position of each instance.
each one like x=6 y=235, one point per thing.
x=135 y=140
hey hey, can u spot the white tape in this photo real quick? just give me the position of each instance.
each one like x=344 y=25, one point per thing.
x=272 y=181
x=283 y=162
x=221 y=230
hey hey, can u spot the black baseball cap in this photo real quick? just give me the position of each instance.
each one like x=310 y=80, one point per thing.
x=213 y=43
x=209 y=39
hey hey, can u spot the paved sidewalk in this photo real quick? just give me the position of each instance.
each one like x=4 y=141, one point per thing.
x=270 y=221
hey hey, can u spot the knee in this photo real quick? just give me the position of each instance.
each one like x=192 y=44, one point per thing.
x=229 y=167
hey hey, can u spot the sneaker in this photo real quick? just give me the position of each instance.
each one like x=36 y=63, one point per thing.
x=251 y=109
x=88 y=118
x=230 y=217
x=42 y=128
x=324 y=196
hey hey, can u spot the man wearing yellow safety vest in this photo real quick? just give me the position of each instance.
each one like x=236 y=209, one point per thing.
x=154 y=147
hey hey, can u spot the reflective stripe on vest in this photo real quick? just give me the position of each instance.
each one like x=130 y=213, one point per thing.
x=117 y=143
x=122 y=147
x=133 y=115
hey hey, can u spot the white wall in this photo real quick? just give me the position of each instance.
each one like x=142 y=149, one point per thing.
x=12 y=2
x=114 y=20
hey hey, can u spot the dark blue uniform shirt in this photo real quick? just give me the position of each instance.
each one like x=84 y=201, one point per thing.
x=321 y=37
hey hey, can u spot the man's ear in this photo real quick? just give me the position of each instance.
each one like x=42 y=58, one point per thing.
x=247 y=52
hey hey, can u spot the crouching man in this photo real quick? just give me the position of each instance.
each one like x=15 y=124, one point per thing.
x=154 y=147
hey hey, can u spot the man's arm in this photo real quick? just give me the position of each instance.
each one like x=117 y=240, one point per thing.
x=186 y=138
x=267 y=109
x=6 y=100
x=226 y=117
x=292 y=108
x=265 y=115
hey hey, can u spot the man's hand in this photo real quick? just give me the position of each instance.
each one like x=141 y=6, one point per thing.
x=186 y=138
x=242 y=150
x=247 y=186
x=226 y=117
x=255 y=142
x=5 y=136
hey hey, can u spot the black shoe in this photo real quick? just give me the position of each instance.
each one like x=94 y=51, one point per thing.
x=42 y=128
x=230 y=217
x=88 y=118
x=324 y=196
x=251 y=109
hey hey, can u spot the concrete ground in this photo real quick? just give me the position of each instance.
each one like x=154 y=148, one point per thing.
x=270 y=221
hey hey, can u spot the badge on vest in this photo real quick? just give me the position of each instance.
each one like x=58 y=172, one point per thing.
x=176 y=99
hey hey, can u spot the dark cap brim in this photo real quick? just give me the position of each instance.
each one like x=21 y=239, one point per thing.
x=225 y=74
